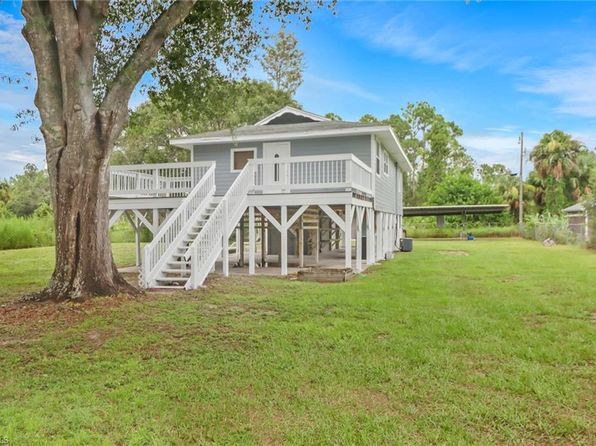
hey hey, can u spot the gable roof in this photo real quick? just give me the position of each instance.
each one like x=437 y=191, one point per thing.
x=291 y=112
x=577 y=207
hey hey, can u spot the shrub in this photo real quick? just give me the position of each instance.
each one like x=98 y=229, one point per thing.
x=15 y=233
x=545 y=226
x=454 y=232
x=590 y=205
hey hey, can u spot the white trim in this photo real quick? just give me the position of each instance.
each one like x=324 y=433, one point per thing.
x=240 y=149
x=294 y=111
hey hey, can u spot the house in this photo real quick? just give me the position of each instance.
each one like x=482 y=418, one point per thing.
x=578 y=221
x=304 y=190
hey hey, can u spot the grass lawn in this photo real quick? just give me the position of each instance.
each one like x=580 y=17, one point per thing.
x=491 y=341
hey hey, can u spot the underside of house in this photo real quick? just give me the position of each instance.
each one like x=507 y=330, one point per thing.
x=293 y=190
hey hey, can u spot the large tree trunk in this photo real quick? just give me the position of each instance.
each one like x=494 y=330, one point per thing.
x=80 y=184
x=79 y=133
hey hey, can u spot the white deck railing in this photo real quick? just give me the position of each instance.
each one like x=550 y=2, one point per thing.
x=206 y=248
x=156 y=180
x=312 y=173
x=166 y=240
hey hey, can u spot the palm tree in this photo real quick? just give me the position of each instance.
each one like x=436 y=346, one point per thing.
x=555 y=160
x=556 y=155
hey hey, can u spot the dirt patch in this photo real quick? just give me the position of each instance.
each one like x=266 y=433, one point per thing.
x=39 y=313
x=453 y=252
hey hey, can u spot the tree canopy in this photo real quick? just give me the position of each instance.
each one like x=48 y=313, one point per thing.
x=284 y=62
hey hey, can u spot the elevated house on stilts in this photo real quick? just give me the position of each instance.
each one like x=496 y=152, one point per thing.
x=293 y=190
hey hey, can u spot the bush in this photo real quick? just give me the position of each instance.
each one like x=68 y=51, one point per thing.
x=548 y=226
x=590 y=205
x=454 y=232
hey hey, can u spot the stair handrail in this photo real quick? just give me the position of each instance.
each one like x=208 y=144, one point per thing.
x=206 y=247
x=165 y=241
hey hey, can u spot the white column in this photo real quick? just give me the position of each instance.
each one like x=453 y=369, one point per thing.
x=359 y=216
x=348 y=236
x=379 y=238
x=238 y=242
x=137 y=229
x=283 y=255
x=225 y=261
x=300 y=238
x=370 y=236
x=252 y=246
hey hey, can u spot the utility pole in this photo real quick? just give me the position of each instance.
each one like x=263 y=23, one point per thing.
x=521 y=180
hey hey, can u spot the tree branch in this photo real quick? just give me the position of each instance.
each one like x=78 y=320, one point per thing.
x=39 y=34
x=144 y=56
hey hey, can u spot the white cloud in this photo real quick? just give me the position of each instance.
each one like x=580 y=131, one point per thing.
x=534 y=58
x=573 y=82
x=13 y=47
x=492 y=148
x=18 y=148
x=346 y=87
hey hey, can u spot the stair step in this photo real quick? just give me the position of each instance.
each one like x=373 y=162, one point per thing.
x=178 y=262
x=171 y=279
x=168 y=287
x=175 y=271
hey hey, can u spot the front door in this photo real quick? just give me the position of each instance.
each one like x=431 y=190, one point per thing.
x=274 y=171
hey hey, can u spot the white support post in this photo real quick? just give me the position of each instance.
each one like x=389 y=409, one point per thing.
x=348 y=236
x=379 y=240
x=155 y=221
x=283 y=255
x=251 y=240
x=370 y=236
x=137 y=229
x=318 y=240
x=225 y=251
x=238 y=242
x=300 y=239
x=359 y=216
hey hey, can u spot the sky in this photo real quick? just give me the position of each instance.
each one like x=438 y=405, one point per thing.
x=495 y=68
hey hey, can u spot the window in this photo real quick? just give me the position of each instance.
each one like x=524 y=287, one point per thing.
x=378 y=157
x=385 y=163
x=239 y=158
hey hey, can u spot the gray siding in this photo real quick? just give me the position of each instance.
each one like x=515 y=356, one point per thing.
x=386 y=187
x=359 y=145
x=220 y=153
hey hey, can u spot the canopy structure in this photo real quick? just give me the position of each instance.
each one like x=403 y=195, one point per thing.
x=463 y=210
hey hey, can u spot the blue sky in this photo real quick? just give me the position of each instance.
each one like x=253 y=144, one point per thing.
x=494 y=68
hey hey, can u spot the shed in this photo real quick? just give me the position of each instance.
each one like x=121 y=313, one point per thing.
x=578 y=221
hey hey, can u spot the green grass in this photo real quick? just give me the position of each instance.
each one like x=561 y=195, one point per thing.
x=28 y=270
x=491 y=341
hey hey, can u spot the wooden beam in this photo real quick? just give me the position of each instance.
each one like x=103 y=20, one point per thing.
x=115 y=216
x=296 y=215
x=333 y=216
x=269 y=217
x=145 y=221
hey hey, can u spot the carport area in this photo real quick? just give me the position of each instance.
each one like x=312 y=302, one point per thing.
x=464 y=210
